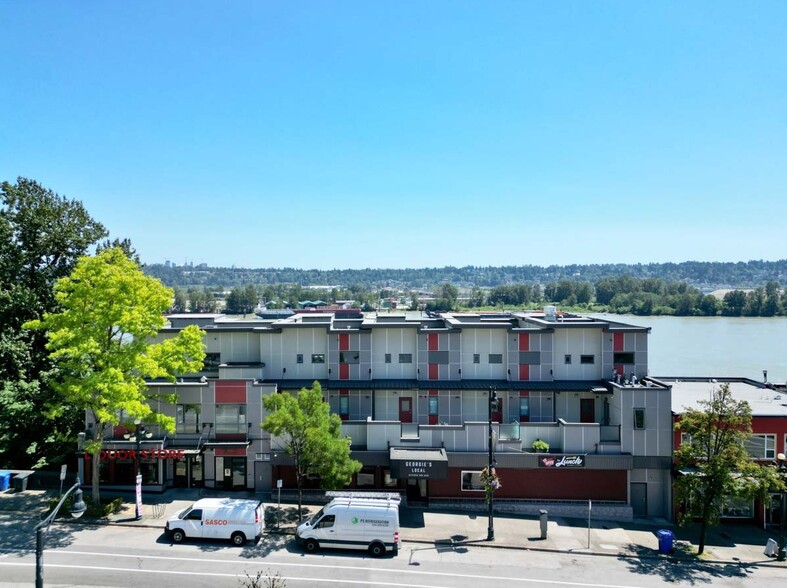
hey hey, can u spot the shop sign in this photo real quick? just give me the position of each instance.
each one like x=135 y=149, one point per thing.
x=562 y=461
x=423 y=469
x=131 y=454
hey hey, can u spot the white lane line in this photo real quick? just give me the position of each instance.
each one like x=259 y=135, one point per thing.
x=485 y=577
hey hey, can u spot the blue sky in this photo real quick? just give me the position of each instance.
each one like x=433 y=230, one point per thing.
x=331 y=134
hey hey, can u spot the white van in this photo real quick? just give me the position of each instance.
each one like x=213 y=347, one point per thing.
x=218 y=518
x=353 y=523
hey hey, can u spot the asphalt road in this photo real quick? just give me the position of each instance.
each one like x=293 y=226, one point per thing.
x=81 y=555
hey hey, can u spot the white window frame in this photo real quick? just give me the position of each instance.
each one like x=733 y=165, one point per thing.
x=768 y=446
x=476 y=474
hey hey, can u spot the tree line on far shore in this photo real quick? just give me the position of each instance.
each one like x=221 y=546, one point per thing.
x=619 y=295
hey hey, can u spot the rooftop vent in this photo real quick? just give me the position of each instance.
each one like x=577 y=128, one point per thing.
x=550 y=313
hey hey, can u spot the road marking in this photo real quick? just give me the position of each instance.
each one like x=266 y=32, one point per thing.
x=485 y=577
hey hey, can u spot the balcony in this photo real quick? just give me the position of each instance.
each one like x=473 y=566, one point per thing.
x=473 y=437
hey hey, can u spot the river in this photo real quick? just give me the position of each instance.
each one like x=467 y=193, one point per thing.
x=714 y=346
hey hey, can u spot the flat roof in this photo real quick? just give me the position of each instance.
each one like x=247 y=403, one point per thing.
x=763 y=400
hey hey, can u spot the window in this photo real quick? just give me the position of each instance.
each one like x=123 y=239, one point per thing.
x=187 y=418
x=299 y=358
x=737 y=508
x=495 y=358
x=476 y=358
x=438 y=357
x=685 y=438
x=318 y=358
x=567 y=359
x=349 y=357
x=761 y=446
x=194 y=515
x=212 y=362
x=387 y=358
x=344 y=407
x=529 y=358
x=541 y=405
x=524 y=409
x=365 y=478
x=587 y=359
x=471 y=482
x=639 y=418
x=230 y=418
x=433 y=406
x=326 y=522
x=405 y=358
x=624 y=358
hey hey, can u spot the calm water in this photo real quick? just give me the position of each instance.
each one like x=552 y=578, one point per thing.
x=717 y=346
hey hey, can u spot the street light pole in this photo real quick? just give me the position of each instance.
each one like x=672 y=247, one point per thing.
x=78 y=508
x=139 y=432
x=490 y=534
x=782 y=554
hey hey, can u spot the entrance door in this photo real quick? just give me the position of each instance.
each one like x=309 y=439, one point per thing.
x=405 y=409
x=195 y=471
x=231 y=473
x=180 y=479
x=639 y=499
x=587 y=410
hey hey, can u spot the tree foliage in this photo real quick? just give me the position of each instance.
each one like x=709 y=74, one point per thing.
x=312 y=436
x=100 y=340
x=41 y=236
x=714 y=460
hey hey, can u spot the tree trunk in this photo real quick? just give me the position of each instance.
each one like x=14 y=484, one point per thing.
x=96 y=462
x=703 y=530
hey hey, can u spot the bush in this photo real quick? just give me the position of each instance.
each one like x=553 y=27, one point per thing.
x=107 y=506
x=540 y=446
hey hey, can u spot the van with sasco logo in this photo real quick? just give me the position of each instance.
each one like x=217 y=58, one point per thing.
x=350 y=522
x=218 y=518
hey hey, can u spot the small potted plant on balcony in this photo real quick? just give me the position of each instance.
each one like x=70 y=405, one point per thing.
x=540 y=446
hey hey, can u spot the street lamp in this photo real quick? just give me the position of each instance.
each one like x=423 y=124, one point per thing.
x=782 y=554
x=490 y=534
x=140 y=431
x=78 y=508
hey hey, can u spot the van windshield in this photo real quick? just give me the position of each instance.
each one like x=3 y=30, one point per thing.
x=185 y=513
x=316 y=517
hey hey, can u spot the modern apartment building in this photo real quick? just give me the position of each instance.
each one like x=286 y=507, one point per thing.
x=413 y=394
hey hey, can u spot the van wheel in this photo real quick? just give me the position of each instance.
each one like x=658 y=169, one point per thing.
x=376 y=549
x=238 y=538
x=311 y=546
x=178 y=536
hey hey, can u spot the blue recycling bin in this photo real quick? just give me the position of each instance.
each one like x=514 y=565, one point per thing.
x=666 y=539
x=5 y=479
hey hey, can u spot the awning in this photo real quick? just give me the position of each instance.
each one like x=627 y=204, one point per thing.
x=425 y=464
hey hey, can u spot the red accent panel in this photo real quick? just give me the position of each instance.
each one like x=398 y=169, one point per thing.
x=434 y=341
x=344 y=342
x=618 y=369
x=524 y=342
x=432 y=419
x=618 y=339
x=344 y=392
x=433 y=393
x=434 y=371
x=524 y=372
x=344 y=371
x=228 y=392
x=524 y=393
x=229 y=451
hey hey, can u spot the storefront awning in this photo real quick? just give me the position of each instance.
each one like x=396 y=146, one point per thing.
x=425 y=464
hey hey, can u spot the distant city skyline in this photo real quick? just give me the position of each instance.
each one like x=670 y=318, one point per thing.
x=349 y=134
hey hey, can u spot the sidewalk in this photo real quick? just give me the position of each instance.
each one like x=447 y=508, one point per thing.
x=742 y=545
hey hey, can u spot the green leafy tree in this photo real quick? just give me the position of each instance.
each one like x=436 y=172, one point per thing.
x=41 y=236
x=714 y=458
x=100 y=340
x=312 y=436
x=180 y=302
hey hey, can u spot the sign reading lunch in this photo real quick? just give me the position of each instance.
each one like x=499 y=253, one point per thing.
x=562 y=461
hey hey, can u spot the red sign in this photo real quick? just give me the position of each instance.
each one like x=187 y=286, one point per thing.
x=111 y=454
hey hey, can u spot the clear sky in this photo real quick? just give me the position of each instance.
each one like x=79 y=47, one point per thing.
x=338 y=134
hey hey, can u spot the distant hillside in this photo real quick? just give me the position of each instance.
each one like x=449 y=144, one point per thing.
x=704 y=275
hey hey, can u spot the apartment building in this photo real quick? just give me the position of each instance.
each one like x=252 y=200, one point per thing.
x=413 y=393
